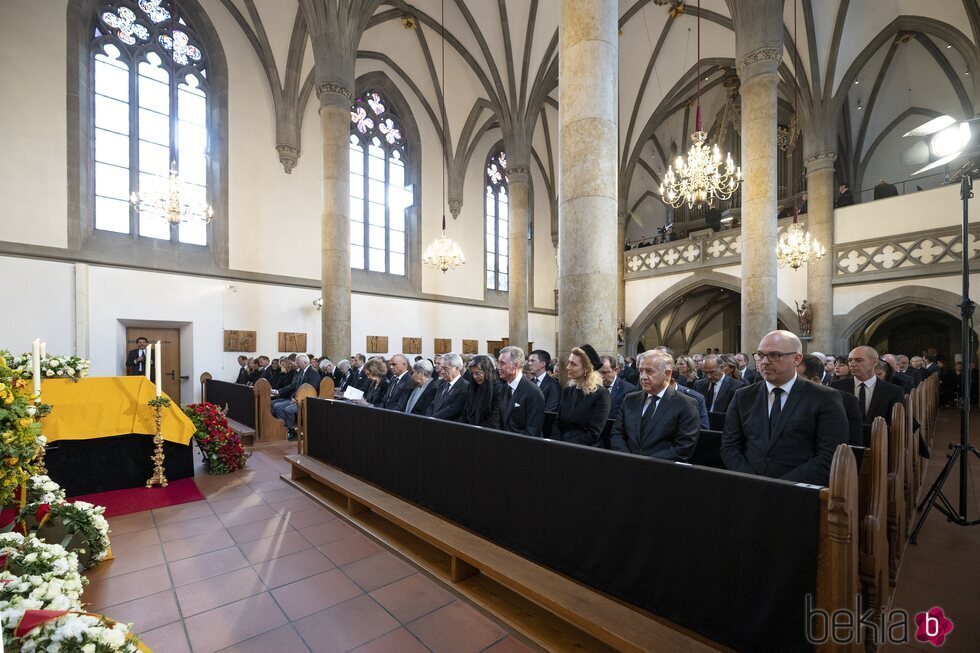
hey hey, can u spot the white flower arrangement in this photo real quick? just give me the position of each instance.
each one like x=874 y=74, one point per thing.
x=41 y=489
x=70 y=367
x=74 y=516
x=38 y=573
x=80 y=632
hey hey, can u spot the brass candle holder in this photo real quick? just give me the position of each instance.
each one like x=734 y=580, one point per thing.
x=158 y=478
x=40 y=411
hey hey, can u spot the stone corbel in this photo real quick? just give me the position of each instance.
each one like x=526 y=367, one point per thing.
x=819 y=160
x=288 y=156
x=333 y=93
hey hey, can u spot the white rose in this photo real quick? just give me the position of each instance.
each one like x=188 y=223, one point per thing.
x=69 y=371
x=30 y=558
x=50 y=373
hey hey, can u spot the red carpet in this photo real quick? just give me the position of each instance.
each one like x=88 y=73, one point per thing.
x=123 y=502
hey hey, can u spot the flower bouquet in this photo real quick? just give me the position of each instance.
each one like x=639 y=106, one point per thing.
x=79 y=526
x=65 y=367
x=36 y=632
x=20 y=432
x=221 y=447
x=36 y=575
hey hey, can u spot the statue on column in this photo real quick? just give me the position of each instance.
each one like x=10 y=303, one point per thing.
x=806 y=319
x=621 y=334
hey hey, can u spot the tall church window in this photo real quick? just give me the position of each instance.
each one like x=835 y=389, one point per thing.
x=150 y=104
x=497 y=220
x=379 y=196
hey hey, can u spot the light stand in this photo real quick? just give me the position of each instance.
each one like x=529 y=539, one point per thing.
x=935 y=498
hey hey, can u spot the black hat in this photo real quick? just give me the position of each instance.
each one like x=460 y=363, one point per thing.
x=593 y=356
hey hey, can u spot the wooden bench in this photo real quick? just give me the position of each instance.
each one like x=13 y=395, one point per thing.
x=873 y=512
x=899 y=444
x=552 y=610
x=326 y=389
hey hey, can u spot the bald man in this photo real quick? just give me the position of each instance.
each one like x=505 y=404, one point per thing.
x=899 y=378
x=401 y=386
x=875 y=396
x=783 y=427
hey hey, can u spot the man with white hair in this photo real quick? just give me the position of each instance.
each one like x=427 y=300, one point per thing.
x=424 y=390
x=899 y=378
x=905 y=368
x=343 y=375
x=828 y=375
x=285 y=407
x=522 y=403
x=450 y=398
x=783 y=427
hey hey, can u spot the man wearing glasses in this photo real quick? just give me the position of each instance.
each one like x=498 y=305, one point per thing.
x=783 y=427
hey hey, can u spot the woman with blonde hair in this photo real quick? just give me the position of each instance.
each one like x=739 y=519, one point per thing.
x=585 y=402
x=687 y=371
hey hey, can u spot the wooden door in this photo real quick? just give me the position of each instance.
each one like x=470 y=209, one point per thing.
x=169 y=354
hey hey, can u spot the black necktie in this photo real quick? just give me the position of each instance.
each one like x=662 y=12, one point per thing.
x=862 y=397
x=777 y=408
x=648 y=413
x=710 y=397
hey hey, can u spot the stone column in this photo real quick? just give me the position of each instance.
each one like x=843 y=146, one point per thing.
x=518 y=176
x=758 y=74
x=621 y=274
x=335 y=102
x=820 y=223
x=587 y=161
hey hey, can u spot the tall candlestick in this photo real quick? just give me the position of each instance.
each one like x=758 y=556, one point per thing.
x=159 y=370
x=147 y=361
x=36 y=365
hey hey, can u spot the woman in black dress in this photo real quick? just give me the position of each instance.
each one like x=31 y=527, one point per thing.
x=376 y=372
x=584 y=404
x=483 y=394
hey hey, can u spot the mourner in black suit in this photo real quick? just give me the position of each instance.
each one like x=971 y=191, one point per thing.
x=845 y=197
x=617 y=386
x=897 y=376
x=521 y=402
x=136 y=359
x=698 y=398
x=482 y=406
x=243 y=371
x=879 y=396
x=401 y=385
x=377 y=383
x=360 y=380
x=748 y=374
x=629 y=372
x=905 y=368
x=658 y=421
x=343 y=375
x=811 y=369
x=283 y=405
x=424 y=390
x=716 y=386
x=538 y=363
x=585 y=402
x=450 y=399
x=784 y=427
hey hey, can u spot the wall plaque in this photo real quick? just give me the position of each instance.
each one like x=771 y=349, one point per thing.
x=471 y=346
x=443 y=345
x=377 y=344
x=292 y=342
x=411 y=345
x=239 y=340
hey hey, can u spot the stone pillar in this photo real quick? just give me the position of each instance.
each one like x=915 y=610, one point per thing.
x=621 y=275
x=758 y=74
x=587 y=161
x=335 y=315
x=820 y=274
x=518 y=176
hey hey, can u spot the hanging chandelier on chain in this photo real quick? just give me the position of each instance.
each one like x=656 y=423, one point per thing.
x=797 y=246
x=444 y=253
x=168 y=198
x=700 y=179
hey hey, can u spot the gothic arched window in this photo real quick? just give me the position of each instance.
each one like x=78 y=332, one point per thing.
x=497 y=220
x=379 y=196
x=150 y=101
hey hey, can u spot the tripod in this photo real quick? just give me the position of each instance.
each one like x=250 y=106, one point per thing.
x=935 y=498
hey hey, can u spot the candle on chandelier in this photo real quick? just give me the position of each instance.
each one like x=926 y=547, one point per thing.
x=159 y=370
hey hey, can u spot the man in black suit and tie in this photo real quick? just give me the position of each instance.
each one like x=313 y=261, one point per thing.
x=137 y=359
x=716 y=386
x=262 y=370
x=929 y=366
x=401 y=386
x=748 y=374
x=522 y=402
x=450 y=397
x=657 y=421
x=812 y=369
x=899 y=378
x=537 y=364
x=243 y=370
x=876 y=397
x=343 y=375
x=424 y=388
x=361 y=382
x=617 y=386
x=784 y=427
x=905 y=368
x=283 y=405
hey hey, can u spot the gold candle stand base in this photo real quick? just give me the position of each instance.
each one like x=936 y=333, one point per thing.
x=158 y=478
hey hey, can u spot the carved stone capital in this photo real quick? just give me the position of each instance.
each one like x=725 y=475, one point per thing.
x=759 y=61
x=288 y=157
x=820 y=160
x=518 y=173
x=330 y=93
x=455 y=205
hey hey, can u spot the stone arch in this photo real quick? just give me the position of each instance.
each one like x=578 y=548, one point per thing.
x=845 y=326
x=699 y=279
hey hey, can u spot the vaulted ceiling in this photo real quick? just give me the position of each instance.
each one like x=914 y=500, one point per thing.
x=876 y=68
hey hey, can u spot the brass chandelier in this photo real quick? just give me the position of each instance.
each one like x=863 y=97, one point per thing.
x=700 y=179
x=796 y=246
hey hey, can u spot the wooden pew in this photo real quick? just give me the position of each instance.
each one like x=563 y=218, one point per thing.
x=911 y=453
x=304 y=392
x=873 y=511
x=898 y=441
x=326 y=388
x=268 y=428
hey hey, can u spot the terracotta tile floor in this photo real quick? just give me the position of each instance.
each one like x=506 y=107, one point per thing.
x=258 y=567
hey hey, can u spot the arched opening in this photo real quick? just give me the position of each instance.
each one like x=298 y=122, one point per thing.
x=697 y=319
x=911 y=328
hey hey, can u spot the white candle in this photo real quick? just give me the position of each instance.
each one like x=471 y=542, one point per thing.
x=36 y=364
x=44 y=347
x=159 y=370
x=147 y=356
